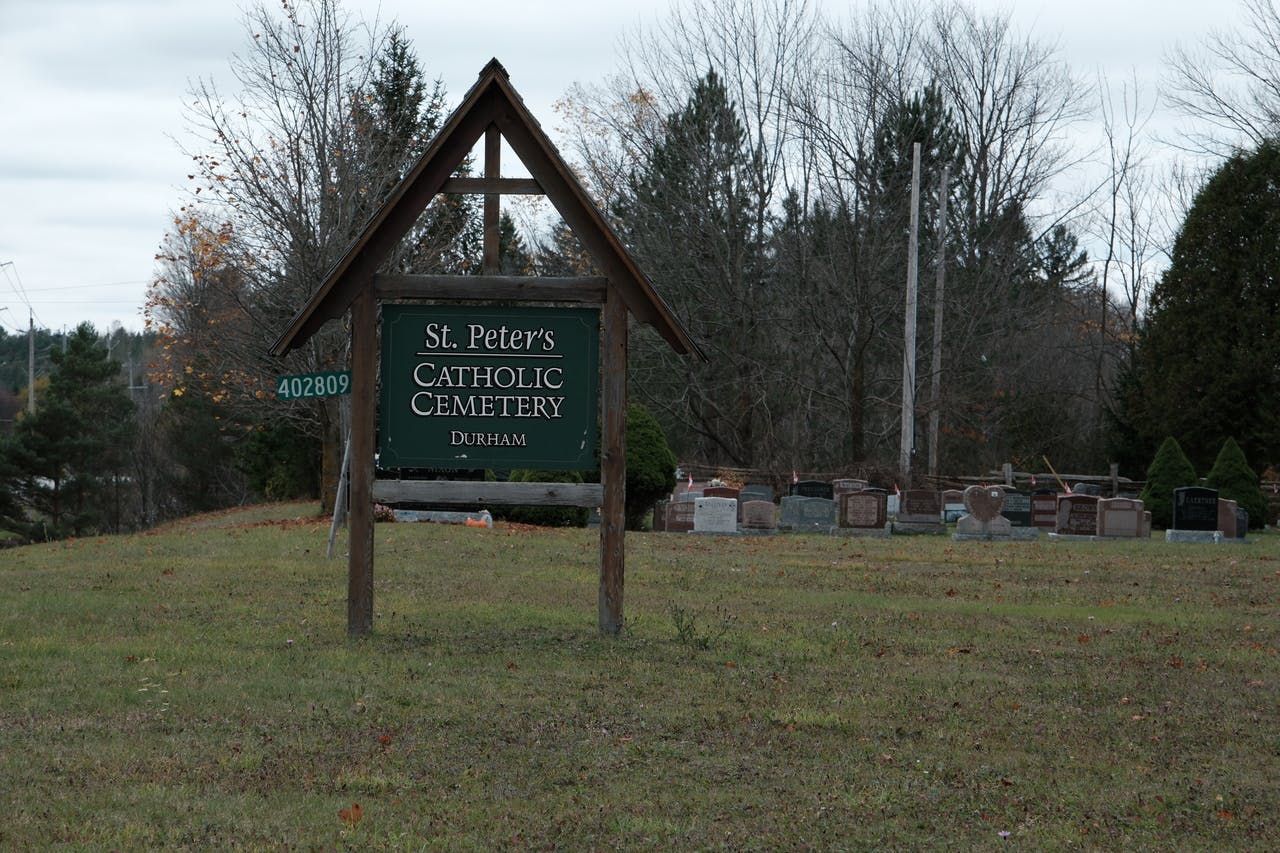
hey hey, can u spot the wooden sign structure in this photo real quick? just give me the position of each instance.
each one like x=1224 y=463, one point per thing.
x=492 y=109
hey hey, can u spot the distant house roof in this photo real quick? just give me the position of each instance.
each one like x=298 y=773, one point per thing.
x=490 y=102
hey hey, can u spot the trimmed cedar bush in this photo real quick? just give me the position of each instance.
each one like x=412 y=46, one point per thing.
x=547 y=516
x=1171 y=469
x=1236 y=481
x=651 y=466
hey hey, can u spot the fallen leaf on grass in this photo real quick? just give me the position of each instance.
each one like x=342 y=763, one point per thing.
x=351 y=816
x=1083 y=638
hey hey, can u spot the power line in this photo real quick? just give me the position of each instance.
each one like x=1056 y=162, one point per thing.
x=15 y=283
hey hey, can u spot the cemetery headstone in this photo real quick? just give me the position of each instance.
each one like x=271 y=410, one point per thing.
x=660 y=516
x=813 y=489
x=952 y=505
x=1077 y=515
x=806 y=515
x=1242 y=522
x=721 y=492
x=680 y=516
x=1044 y=508
x=846 y=486
x=688 y=495
x=1227 y=517
x=684 y=487
x=759 y=515
x=1092 y=489
x=983 y=519
x=1017 y=508
x=756 y=492
x=715 y=515
x=919 y=511
x=863 y=511
x=920 y=505
x=1195 y=508
x=1120 y=517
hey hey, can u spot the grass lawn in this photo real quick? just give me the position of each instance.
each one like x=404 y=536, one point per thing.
x=195 y=688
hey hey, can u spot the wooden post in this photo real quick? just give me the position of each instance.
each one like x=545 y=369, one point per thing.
x=492 y=259
x=908 y=435
x=613 y=464
x=935 y=373
x=364 y=365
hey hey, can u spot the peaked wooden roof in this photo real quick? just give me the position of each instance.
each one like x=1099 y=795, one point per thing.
x=491 y=101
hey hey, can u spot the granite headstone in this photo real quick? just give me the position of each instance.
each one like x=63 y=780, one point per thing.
x=1195 y=508
x=715 y=515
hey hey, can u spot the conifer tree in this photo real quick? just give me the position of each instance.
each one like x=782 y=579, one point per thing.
x=67 y=462
x=1236 y=481
x=1207 y=354
x=1169 y=470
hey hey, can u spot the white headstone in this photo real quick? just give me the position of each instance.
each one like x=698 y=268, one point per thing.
x=715 y=515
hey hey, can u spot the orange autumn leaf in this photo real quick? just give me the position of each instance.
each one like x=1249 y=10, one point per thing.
x=352 y=815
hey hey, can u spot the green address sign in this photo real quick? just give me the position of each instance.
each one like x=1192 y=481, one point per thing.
x=306 y=385
x=485 y=387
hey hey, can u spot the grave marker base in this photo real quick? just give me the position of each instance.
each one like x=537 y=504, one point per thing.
x=919 y=528
x=874 y=532
x=1203 y=537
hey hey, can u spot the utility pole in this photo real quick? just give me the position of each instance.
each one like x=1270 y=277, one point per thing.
x=31 y=364
x=909 y=334
x=935 y=394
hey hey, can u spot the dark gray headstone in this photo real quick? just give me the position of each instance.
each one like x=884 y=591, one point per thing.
x=1195 y=508
x=1242 y=522
x=807 y=514
x=755 y=492
x=1017 y=508
x=813 y=489
x=1087 y=489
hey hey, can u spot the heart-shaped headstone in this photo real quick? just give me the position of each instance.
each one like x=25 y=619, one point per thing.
x=984 y=502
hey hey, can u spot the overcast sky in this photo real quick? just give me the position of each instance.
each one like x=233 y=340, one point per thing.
x=91 y=114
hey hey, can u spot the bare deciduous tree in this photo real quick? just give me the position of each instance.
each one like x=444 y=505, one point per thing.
x=1231 y=82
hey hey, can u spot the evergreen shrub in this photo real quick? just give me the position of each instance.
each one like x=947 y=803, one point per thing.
x=1236 y=481
x=546 y=516
x=1169 y=470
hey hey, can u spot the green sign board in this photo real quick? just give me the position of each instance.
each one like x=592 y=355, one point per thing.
x=304 y=385
x=487 y=387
